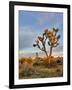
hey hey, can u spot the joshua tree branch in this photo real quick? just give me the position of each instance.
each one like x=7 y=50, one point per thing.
x=40 y=47
x=56 y=45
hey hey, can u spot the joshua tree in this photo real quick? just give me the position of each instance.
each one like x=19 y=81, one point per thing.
x=53 y=40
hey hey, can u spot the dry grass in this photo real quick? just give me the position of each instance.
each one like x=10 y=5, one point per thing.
x=40 y=68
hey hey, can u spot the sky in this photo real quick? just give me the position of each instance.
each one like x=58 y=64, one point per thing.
x=32 y=24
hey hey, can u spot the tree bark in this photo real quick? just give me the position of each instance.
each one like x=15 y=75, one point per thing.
x=46 y=54
x=50 y=51
x=50 y=54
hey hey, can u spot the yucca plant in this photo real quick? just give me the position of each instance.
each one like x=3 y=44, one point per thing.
x=53 y=41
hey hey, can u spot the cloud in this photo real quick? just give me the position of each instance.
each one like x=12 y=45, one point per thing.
x=26 y=37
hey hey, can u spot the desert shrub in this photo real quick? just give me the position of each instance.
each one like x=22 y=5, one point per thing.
x=59 y=60
x=21 y=61
x=46 y=63
x=25 y=72
x=37 y=61
x=29 y=60
x=26 y=67
x=25 y=62
x=59 y=72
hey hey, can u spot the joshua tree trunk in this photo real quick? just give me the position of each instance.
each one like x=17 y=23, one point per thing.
x=50 y=51
x=46 y=54
x=50 y=54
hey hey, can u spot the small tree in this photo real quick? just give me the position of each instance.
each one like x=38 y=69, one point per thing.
x=53 y=41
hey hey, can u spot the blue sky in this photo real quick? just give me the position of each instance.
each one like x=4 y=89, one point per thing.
x=33 y=23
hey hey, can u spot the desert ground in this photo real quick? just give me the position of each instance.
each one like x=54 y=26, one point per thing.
x=38 y=67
